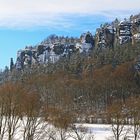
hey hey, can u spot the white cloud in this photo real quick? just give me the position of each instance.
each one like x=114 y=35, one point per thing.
x=72 y=6
x=44 y=12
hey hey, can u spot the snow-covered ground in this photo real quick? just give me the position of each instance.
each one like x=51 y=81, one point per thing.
x=100 y=131
x=87 y=131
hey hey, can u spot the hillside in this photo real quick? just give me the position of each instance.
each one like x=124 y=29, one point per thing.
x=66 y=80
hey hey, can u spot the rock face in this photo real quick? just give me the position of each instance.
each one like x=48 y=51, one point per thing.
x=105 y=36
x=121 y=32
x=52 y=49
x=55 y=47
x=124 y=32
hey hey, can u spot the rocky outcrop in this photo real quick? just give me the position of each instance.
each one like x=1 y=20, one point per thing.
x=54 y=47
x=105 y=36
x=119 y=32
x=125 y=32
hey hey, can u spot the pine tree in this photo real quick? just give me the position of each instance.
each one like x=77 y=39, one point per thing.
x=11 y=64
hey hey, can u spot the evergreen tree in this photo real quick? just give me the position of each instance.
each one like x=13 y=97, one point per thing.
x=11 y=64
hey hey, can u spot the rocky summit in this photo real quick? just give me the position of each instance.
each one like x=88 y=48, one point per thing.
x=54 y=47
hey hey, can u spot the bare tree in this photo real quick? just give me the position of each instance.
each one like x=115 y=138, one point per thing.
x=133 y=107
x=31 y=120
x=3 y=119
x=11 y=110
x=117 y=116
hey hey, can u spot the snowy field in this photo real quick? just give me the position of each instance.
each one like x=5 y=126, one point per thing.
x=45 y=131
x=95 y=131
x=99 y=132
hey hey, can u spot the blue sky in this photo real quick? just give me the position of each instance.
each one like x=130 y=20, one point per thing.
x=24 y=22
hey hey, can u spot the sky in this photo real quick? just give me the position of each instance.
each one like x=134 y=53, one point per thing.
x=28 y=22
